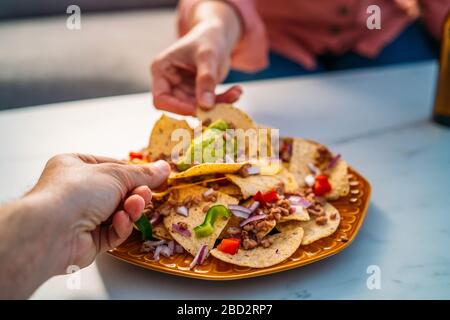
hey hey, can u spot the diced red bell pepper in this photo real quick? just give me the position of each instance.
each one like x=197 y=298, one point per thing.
x=229 y=245
x=321 y=185
x=135 y=155
x=270 y=196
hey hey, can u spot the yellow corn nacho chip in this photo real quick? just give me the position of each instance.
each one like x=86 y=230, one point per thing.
x=160 y=232
x=313 y=231
x=304 y=152
x=228 y=113
x=196 y=217
x=283 y=246
x=160 y=141
x=298 y=215
x=204 y=169
x=251 y=185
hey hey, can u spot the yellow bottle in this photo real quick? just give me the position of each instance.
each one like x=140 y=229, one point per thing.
x=441 y=111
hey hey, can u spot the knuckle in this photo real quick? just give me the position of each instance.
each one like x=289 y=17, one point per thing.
x=206 y=54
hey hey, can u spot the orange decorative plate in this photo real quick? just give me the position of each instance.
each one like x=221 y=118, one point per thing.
x=352 y=208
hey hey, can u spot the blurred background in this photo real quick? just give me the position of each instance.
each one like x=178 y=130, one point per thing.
x=41 y=61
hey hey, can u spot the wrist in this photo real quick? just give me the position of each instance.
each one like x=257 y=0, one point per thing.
x=219 y=16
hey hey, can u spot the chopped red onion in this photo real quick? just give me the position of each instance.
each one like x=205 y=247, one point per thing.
x=183 y=210
x=240 y=214
x=165 y=251
x=157 y=252
x=151 y=243
x=314 y=170
x=200 y=256
x=178 y=248
x=239 y=208
x=299 y=201
x=254 y=206
x=334 y=161
x=156 y=219
x=208 y=192
x=310 y=180
x=184 y=232
x=171 y=246
x=253 y=170
x=253 y=218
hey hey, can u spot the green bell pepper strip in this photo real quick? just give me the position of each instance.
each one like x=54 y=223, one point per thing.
x=207 y=227
x=145 y=227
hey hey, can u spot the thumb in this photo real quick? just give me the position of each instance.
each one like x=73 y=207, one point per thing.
x=206 y=79
x=135 y=175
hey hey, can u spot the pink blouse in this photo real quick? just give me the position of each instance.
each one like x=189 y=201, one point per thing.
x=303 y=29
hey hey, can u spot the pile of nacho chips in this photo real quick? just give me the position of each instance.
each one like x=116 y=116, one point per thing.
x=253 y=213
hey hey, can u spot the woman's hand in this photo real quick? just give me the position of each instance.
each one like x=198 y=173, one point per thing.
x=185 y=74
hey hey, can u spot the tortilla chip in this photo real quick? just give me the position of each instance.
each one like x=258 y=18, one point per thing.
x=203 y=169
x=283 y=246
x=304 y=152
x=163 y=193
x=251 y=185
x=302 y=215
x=160 y=140
x=313 y=231
x=196 y=217
x=228 y=113
x=160 y=232
x=231 y=190
x=340 y=186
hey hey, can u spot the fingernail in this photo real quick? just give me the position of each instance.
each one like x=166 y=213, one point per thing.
x=162 y=166
x=208 y=99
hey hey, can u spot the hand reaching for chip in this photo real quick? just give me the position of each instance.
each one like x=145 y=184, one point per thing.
x=185 y=75
x=82 y=205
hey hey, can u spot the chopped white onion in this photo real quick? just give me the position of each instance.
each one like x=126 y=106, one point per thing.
x=208 y=192
x=239 y=208
x=182 y=210
x=157 y=252
x=310 y=180
x=200 y=256
x=240 y=214
x=253 y=218
x=299 y=201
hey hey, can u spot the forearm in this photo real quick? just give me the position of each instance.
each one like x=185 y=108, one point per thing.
x=30 y=251
x=219 y=14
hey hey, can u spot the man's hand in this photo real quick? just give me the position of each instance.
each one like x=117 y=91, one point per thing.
x=185 y=74
x=90 y=190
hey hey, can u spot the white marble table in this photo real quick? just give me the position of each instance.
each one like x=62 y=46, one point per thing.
x=377 y=118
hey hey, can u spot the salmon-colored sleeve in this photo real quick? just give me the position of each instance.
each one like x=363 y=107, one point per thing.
x=434 y=13
x=251 y=52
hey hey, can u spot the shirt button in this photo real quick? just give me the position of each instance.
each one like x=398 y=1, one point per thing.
x=334 y=30
x=342 y=11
